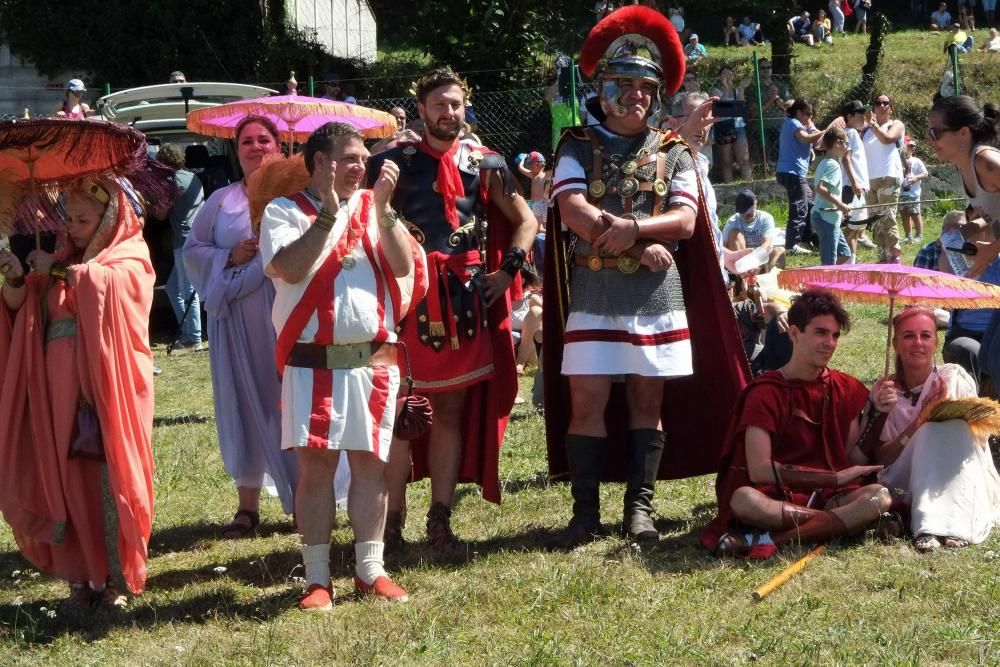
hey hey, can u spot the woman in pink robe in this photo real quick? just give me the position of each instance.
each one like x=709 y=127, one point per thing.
x=74 y=337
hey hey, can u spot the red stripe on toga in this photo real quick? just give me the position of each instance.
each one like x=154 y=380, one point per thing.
x=613 y=336
x=377 y=272
x=377 y=403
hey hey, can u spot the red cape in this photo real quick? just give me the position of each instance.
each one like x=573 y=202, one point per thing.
x=487 y=404
x=696 y=409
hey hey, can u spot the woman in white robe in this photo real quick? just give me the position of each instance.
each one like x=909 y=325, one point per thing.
x=942 y=470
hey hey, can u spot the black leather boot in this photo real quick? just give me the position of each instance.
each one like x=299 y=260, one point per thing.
x=643 y=451
x=585 y=455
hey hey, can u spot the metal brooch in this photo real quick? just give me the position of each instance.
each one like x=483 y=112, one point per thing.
x=597 y=189
x=595 y=263
x=474 y=158
x=628 y=187
x=629 y=167
x=627 y=264
x=348 y=263
x=660 y=187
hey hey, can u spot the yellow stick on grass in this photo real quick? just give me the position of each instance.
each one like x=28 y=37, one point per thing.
x=779 y=579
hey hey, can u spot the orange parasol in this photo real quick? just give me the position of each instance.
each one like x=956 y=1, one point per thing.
x=51 y=152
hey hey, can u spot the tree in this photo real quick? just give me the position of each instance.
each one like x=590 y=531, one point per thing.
x=502 y=42
x=134 y=43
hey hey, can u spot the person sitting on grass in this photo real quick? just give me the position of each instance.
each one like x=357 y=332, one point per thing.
x=821 y=28
x=960 y=39
x=800 y=29
x=694 y=50
x=941 y=19
x=791 y=470
x=829 y=210
x=751 y=227
x=942 y=470
x=749 y=32
x=991 y=45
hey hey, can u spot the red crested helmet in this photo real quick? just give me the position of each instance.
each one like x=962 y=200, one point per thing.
x=635 y=41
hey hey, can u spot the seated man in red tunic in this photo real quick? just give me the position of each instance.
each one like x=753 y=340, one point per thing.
x=791 y=466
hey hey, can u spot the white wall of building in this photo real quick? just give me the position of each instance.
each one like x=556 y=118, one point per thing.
x=22 y=87
x=346 y=28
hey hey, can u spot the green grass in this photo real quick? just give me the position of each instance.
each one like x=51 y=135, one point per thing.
x=509 y=597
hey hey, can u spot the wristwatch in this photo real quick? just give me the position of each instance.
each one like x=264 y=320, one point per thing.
x=389 y=219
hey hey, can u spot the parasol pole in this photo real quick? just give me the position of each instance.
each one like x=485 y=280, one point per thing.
x=888 y=337
x=31 y=180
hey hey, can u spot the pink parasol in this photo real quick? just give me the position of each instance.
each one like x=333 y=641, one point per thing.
x=295 y=115
x=880 y=283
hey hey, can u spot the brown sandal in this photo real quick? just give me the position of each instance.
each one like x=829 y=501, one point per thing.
x=235 y=529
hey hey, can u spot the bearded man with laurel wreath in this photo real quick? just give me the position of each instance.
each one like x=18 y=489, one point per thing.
x=634 y=276
x=459 y=337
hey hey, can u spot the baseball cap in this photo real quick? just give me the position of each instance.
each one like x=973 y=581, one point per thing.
x=76 y=85
x=854 y=106
x=745 y=201
x=536 y=157
x=694 y=35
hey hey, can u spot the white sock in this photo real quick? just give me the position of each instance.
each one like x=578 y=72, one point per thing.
x=368 y=558
x=316 y=558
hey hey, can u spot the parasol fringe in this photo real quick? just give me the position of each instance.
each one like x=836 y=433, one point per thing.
x=804 y=278
x=118 y=150
x=105 y=147
x=277 y=176
x=290 y=111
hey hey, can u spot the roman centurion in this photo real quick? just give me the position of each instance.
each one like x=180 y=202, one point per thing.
x=649 y=349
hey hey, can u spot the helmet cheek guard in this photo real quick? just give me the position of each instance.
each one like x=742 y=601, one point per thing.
x=611 y=93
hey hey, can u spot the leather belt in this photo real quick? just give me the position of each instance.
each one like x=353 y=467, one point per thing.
x=342 y=357
x=61 y=328
x=623 y=263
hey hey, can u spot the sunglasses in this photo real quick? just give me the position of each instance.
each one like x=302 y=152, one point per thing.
x=935 y=132
x=883 y=104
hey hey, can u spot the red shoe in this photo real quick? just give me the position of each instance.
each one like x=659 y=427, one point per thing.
x=382 y=587
x=317 y=598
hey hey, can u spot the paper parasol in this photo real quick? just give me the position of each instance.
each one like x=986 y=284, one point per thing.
x=882 y=283
x=295 y=116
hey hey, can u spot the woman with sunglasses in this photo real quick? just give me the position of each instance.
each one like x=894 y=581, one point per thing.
x=965 y=135
x=882 y=139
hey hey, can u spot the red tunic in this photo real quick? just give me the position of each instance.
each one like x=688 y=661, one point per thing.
x=808 y=422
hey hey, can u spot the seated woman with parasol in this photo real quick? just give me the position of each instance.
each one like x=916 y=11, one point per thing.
x=930 y=431
x=78 y=394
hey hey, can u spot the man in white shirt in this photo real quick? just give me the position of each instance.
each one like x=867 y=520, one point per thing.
x=751 y=227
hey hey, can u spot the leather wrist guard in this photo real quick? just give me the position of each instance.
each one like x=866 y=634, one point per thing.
x=801 y=477
x=513 y=261
x=870 y=441
x=651 y=228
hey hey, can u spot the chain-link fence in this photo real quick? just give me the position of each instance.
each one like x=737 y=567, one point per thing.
x=510 y=122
